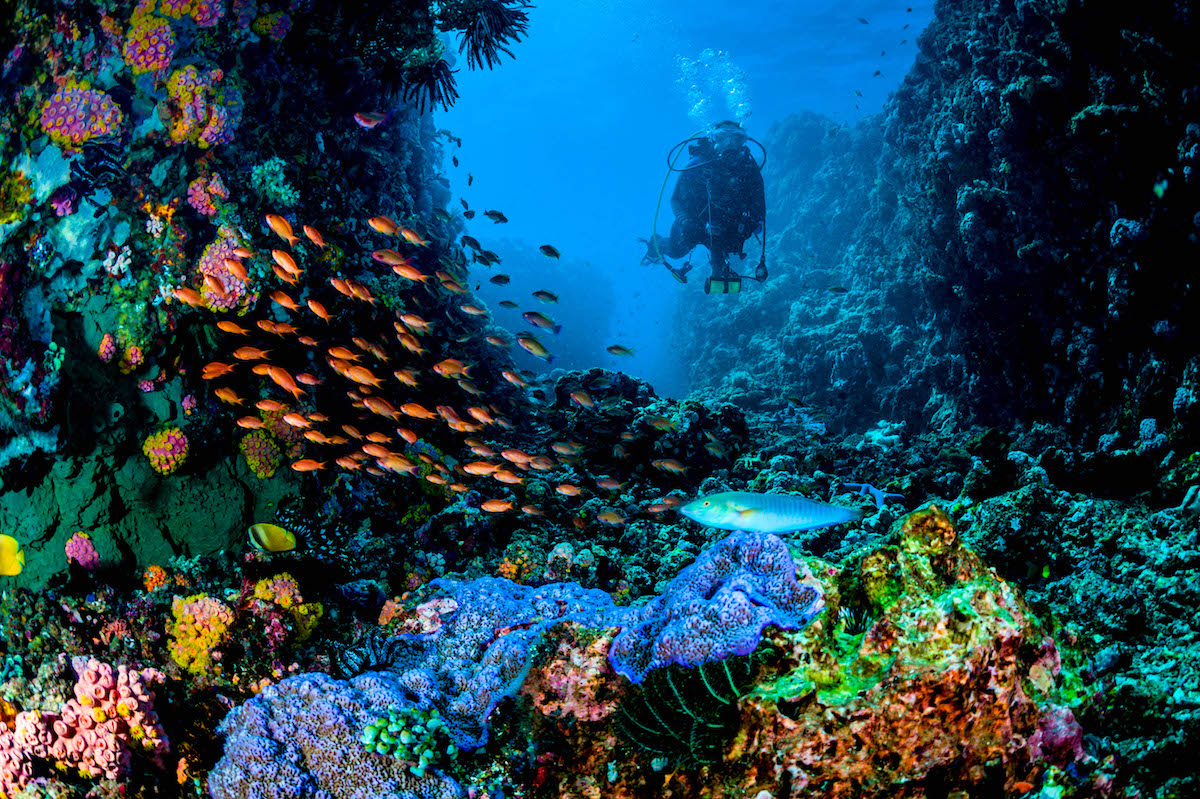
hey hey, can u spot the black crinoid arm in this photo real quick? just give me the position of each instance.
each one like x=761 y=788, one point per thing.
x=489 y=27
x=430 y=82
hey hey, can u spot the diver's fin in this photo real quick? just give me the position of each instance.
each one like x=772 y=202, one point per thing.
x=679 y=274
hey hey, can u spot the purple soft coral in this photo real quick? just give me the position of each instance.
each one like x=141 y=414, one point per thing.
x=717 y=607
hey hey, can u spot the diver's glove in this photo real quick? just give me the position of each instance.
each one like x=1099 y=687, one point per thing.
x=653 y=250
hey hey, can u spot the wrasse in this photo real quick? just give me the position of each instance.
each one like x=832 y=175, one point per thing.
x=281 y=228
x=765 y=513
x=538 y=319
x=535 y=348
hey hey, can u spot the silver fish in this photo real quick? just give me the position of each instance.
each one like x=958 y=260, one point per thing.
x=765 y=513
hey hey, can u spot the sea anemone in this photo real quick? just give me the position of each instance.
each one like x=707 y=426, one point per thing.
x=433 y=83
x=491 y=25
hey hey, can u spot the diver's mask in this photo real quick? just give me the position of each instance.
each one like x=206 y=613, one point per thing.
x=728 y=137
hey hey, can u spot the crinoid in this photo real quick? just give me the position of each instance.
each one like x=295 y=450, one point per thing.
x=490 y=26
x=688 y=715
x=431 y=82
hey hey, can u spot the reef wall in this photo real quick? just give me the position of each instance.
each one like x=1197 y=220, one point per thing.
x=1011 y=244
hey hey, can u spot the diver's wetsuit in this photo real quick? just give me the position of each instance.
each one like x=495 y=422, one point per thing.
x=718 y=202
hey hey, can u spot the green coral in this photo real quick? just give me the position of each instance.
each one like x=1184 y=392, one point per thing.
x=413 y=734
x=269 y=180
x=16 y=191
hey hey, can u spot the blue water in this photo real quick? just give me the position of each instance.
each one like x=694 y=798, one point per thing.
x=570 y=138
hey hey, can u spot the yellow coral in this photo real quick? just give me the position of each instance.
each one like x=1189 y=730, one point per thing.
x=201 y=624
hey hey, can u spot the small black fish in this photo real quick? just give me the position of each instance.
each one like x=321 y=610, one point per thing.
x=471 y=242
x=468 y=214
x=499 y=280
x=545 y=296
x=454 y=158
x=904 y=41
x=863 y=21
x=857 y=93
x=839 y=290
x=496 y=216
x=470 y=178
x=464 y=203
x=548 y=250
x=507 y=304
x=491 y=256
x=877 y=74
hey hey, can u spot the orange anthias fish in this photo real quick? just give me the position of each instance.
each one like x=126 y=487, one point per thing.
x=188 y=296
x=497 y=505
x=243 y=252
x=270 y=405
x=216 y=369
x=250 y=422
x=411 y=272
x=341 y=286
x=412 y=237
x=237 y=269
x=568 y=490
x=414 y=323
x=232 y=327
x=363 y=376
x=389 y=257
x=308 y=465
x=410 y=343
x=381 y=407
x=228 y=395
x=314 y=236
x=451 y=367
x=407 y=376
x=343 y=354
x=284 y=275
x=417 y=411
x=284 y=381
x=214 y=284
x=287 y=262
x=282 y=299
x=296 y=420
x=318 y=309
x=282 y=229
x=250 y=353
x=359 y=291
x=383 y=224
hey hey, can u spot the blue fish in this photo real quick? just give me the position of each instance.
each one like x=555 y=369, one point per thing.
x=766 y=513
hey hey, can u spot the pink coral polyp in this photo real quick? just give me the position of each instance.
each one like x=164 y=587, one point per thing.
x=150 y=46
x=75 y=114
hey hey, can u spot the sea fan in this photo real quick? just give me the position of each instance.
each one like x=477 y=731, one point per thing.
x=490 y=26
x=432 y=82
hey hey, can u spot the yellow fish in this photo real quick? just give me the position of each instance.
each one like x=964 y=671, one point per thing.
x=271 y=538
x=12 y=558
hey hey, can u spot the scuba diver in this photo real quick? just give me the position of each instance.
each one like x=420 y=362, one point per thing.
x=719 y=202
